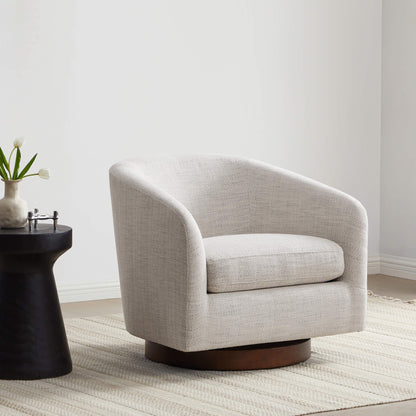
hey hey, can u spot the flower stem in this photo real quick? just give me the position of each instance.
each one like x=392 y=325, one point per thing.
x=32 y=174
x=11 y=154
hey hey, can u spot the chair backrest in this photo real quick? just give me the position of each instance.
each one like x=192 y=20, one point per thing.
x=215 y=189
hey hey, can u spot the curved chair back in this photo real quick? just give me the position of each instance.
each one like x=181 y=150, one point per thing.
x=215 y=189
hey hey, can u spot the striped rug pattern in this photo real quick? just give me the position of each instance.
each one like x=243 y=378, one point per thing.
x=112 y=377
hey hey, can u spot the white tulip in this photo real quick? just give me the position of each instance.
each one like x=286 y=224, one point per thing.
x=44 y=173
x=18 y=141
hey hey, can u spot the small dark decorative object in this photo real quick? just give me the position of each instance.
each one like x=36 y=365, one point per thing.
x=35 y=217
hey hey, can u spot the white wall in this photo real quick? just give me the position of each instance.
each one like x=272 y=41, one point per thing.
x=294 y=83
x=398 y=139
x=8 y=80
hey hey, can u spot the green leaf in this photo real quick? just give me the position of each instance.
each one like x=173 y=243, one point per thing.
x=27 y=167
x=17 y=164
x=4 y=160
x=3 y=173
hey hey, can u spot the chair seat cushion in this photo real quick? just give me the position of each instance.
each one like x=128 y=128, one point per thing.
x=257 y=261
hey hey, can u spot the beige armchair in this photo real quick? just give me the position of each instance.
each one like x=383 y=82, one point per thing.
x=216 y=253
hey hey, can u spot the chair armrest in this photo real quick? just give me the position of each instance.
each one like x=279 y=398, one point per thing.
x=286 y=202
x=161 y=259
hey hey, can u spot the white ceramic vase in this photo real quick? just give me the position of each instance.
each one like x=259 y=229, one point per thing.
x=13 y=209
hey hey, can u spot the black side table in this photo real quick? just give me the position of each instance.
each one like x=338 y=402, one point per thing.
x=33 y=341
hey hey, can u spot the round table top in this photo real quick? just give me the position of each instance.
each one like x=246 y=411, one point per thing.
x=42 y=239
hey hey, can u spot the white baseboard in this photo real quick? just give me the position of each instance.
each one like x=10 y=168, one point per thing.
x=404 y=267
x=93 y=291
x=373 y=265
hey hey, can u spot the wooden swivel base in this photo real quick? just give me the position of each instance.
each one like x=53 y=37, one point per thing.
x=251 y=357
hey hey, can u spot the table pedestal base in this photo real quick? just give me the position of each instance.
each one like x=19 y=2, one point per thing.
x=33 y=342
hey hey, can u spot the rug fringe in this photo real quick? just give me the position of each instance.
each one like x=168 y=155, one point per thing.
x=372 y=294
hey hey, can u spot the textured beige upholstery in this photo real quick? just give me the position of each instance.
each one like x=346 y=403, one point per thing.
x=257 y=261
x=164 y=208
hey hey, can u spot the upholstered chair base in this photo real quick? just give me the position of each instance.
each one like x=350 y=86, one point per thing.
x=251 y=357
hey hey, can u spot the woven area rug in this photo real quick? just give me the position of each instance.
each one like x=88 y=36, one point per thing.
x=112 y=377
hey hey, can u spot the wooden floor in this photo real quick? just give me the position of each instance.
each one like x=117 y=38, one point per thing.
x=379 y=284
